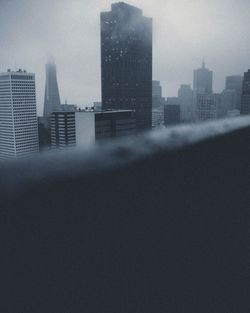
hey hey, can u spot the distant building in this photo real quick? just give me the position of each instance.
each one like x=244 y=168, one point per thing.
x=157 y=117
x=158 y=103
x=186 y=99
x=97 y=106
x=18 y=116
x=231 y=95
x=234 y=83
x=245 y=98
x=207 y=107
x=76 y=129
x=52 y=98
x=44 y=133
x=172 y=111
x=233 y=113
x=203 y=81
x=126 y=62
x=156 y=89
x=158 y=100
x=62 y=130
x=229 y=102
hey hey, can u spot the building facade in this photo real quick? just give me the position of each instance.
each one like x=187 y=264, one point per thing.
x=203 y=80
x=186 y=99
x=126 y=62
x=157 y=100
x=62 y=130
x=157 y=117
x=245 y=98
x=18 y=115
x=229 y=102
x=234 y=83
x=207 y=107
x=51 y=98
x=77 y=129
x=158 y=103
x=231 y=95
x=172 y=112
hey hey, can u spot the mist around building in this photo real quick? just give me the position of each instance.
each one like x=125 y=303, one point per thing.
x=132 y=101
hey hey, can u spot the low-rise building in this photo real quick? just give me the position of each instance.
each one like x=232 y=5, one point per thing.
x=77 y=129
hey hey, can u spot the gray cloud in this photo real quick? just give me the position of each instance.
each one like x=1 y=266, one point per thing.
x=184 y=32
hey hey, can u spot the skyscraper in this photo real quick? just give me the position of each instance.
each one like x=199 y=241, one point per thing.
x=245 y=98
x=234 y=84
x=228 y=102
x=158 y=100
x=18 y=117
x=156 y=89
x=126 y=62
x=52 y=98
x=186 y=99
x=203 y=81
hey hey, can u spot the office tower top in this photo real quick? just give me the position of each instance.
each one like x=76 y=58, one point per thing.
x=126 y=62
x=18 y=117
x=203 y=80
x=245 y=98
x=52 y=98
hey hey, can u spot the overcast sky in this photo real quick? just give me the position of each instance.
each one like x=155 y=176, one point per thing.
x=184 y=32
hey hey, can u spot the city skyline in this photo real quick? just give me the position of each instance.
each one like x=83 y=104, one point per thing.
x=178 y=46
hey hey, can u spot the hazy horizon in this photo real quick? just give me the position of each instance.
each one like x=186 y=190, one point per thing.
x=184 y=31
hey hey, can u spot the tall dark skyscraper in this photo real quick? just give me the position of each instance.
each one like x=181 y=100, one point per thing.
x=203 y=81
x=52 y=98
x=245 y=98
x=126 y=62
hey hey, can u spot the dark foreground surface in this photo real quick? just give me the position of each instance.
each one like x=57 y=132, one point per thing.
x=166 y=234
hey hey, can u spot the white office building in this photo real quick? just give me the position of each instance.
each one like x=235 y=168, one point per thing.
x=18 y=116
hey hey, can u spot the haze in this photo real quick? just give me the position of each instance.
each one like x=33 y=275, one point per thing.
x=184 y=32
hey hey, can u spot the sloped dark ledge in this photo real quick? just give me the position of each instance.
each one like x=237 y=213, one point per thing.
x=150 y=226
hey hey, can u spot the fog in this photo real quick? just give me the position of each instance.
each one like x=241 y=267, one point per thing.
x=184 y=31
x=53 y=166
